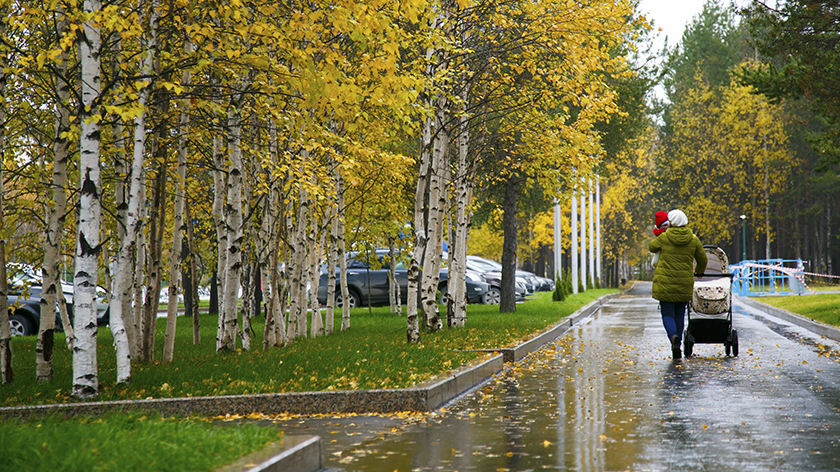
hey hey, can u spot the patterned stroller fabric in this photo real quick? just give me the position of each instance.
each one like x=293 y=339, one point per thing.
x=712 y=295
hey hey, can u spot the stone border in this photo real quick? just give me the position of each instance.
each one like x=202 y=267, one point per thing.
x=817 y=327
x=290 y=454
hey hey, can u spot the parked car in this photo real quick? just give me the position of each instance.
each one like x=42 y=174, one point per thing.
x=478 y=290
x=525 y=284
x=25 y=315
x=24 y=300
x=368 y=281
x=546 y=284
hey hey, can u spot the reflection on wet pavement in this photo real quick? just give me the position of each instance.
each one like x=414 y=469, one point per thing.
x=607 y=396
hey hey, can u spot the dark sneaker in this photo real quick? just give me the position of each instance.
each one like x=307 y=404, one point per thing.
x=675 y=347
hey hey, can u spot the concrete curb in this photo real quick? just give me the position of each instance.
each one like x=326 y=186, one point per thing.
x=290 y=454
x=523 y=350
x=817 y=327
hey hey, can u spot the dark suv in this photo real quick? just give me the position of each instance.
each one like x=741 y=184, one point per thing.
x=368 y=281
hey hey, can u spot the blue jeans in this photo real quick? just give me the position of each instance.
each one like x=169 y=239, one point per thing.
x=673 y=318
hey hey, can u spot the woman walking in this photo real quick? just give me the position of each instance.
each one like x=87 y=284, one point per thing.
x=681 y=255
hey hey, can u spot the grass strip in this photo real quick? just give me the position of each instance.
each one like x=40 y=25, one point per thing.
x=373 y=353
x=118 y=441
x=824 y=307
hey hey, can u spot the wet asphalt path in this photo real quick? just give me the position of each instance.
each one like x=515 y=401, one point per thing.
x=607 y=396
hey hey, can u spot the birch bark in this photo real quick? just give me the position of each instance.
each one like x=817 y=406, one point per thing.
x=56 y=218
x=436 y=201
x=332 y=258
x=413 y=328
x=85 y=372
x=122 y=169
x=315 y=245
x=177 y=224
x=194 y=276
x=464 y=178
x=342 y=261
x=219 y=217
x=233 y=266
x=121 y=316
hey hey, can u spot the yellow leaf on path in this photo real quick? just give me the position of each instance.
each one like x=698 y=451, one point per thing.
x=546 y=443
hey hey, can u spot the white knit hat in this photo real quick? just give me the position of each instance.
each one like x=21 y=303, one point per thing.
x=677 y=218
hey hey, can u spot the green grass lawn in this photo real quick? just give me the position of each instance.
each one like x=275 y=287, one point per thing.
x=120 y=442
x=824 y=307
x=373 y=353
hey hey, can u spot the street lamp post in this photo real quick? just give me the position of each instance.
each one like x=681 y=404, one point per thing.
x=744 y=236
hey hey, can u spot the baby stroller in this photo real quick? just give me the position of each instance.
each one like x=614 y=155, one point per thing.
x=710 y=310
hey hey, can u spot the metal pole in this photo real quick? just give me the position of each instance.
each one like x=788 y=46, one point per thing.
x=558 y=242
x=744 y=237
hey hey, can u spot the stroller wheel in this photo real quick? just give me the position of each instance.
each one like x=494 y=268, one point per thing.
x=688 y=345
x=734 y=343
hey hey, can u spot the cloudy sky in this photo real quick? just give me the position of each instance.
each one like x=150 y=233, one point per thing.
x=671 y=16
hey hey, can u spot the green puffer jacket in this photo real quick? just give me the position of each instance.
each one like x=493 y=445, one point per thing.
x=673 y=279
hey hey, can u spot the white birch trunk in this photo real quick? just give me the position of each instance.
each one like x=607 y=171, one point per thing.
x=297 y=311
x=233 y=266
x=177 y=226
x=462 y=219
x=431 y=261
x=270 y=225
x=219 y=217
x=342 y=261
x=55 y=226
x=314 y=267
x=193 y=276
x=122 y=169
x=420 y=237
x=332 y=259
x=140 y=251
x=85 y=371
x=268 y=264
x=121 y=317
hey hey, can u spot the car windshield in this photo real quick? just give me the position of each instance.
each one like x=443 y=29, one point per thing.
x=485 y=265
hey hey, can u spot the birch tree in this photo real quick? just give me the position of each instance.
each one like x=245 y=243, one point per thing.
x=56 y=215
x=233 y=210
x=178 y=223
x=85 y=374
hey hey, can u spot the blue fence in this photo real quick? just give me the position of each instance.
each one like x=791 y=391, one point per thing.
x=768 y=277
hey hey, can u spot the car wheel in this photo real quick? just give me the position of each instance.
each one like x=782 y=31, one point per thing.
x=354 y=300
x=20 y=325
x=443 y=297
x=492 y=297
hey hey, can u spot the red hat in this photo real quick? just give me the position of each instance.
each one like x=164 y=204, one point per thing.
x=661 y=219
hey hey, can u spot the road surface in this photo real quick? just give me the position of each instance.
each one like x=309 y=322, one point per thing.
x=607 y=396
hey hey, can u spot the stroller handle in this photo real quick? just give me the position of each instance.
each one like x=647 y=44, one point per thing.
x=729 y=276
